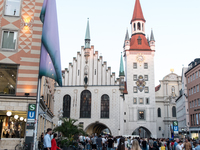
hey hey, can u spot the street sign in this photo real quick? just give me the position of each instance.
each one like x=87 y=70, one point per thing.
x=31 y=115
x=175 y=123
x=175 y=129
x=32 y=107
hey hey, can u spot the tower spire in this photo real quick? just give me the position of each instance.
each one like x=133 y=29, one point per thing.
x=138 y=14
x=126 y=37
x=152 y=36
x=121 y=70
x=87 y=35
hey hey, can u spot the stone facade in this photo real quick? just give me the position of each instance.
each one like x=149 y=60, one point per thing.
x=166 y=94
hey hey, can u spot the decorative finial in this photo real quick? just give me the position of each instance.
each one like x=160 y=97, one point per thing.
x=172 y=70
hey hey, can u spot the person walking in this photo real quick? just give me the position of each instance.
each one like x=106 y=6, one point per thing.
x=99 y=143
x=179 y=147
x=110 y=143
x=53 y=142
x=144 y=144
x=187 y=145
x=47 y=140
x=150 y=144
x=135 y=145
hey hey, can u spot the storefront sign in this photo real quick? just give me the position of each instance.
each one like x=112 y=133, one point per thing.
x=29 y=132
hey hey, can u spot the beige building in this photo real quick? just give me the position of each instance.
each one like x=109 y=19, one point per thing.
x=166 y=93
x=21 y=31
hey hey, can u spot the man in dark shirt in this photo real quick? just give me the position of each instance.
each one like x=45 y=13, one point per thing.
x=99 y=143
x=110 y=143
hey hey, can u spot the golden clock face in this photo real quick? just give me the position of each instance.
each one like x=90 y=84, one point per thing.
x=140 y=58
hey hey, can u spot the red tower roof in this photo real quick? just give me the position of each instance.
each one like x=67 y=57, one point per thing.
x=144 y=45
x=137 y=14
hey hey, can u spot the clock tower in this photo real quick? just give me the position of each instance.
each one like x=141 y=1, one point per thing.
x=139 y=77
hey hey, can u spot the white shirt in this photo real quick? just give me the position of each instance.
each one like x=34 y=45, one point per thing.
x=47 y=141
x=178 y=147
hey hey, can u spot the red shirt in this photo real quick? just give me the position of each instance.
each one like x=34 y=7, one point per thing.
x=54 y=145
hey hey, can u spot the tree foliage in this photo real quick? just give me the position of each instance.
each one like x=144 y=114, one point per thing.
x=69 y=128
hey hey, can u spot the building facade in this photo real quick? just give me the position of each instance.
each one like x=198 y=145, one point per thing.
x=21 y=31
x=166 y=94
x=182 y=107
x=92 y=94
x=139 y=103
x=192 y=76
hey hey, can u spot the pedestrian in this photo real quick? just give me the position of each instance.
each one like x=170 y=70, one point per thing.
x=110 y=143
x=99 y=143
x=178 y=147
x=82 y=140
x=135 y=145
x=197 y=146
x=176 y=143
x=150 y=144
x=93 y=142
x=53 y=142
x=144 y=144
x=87 y=140
x=155 y=145
x=47 y=140
x=121 y=145
x=187 y=145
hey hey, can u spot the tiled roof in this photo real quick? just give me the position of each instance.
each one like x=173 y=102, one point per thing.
x=134 y=43
x=137 y=14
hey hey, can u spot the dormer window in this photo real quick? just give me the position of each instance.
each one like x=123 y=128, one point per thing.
x=139 y=40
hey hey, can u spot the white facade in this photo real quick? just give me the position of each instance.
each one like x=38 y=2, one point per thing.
x=166 y=94
x=132 y=117
x=182 y=106
x=100 y=81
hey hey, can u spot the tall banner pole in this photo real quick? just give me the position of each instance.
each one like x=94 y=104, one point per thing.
x=36 y=113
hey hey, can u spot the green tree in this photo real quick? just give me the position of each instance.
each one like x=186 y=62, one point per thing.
x=70 y=128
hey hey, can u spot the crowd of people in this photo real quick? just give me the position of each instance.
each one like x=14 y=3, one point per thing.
x=108 y=142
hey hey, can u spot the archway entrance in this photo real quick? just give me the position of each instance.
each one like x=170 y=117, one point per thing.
x=142 y=132
x=98 y=128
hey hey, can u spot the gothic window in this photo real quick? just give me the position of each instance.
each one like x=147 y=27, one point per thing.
x=85 y=107
x=138 y=26
x=159 y=112
x=104 y=106
x=66 y=106
x=173 y=111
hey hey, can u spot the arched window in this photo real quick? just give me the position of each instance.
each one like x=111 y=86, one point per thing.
x=104 y=106
x=66 y=106
x=173 y=111
x=159 y=112
x=138 y=26
x=85 y=108
x=134 y=27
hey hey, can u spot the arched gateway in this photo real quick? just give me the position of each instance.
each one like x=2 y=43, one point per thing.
x=142 y=132
x=97 y=128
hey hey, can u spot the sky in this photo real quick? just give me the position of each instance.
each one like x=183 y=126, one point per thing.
x=175 y=23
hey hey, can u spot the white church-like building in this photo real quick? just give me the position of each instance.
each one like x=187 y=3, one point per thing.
x=126 y=105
